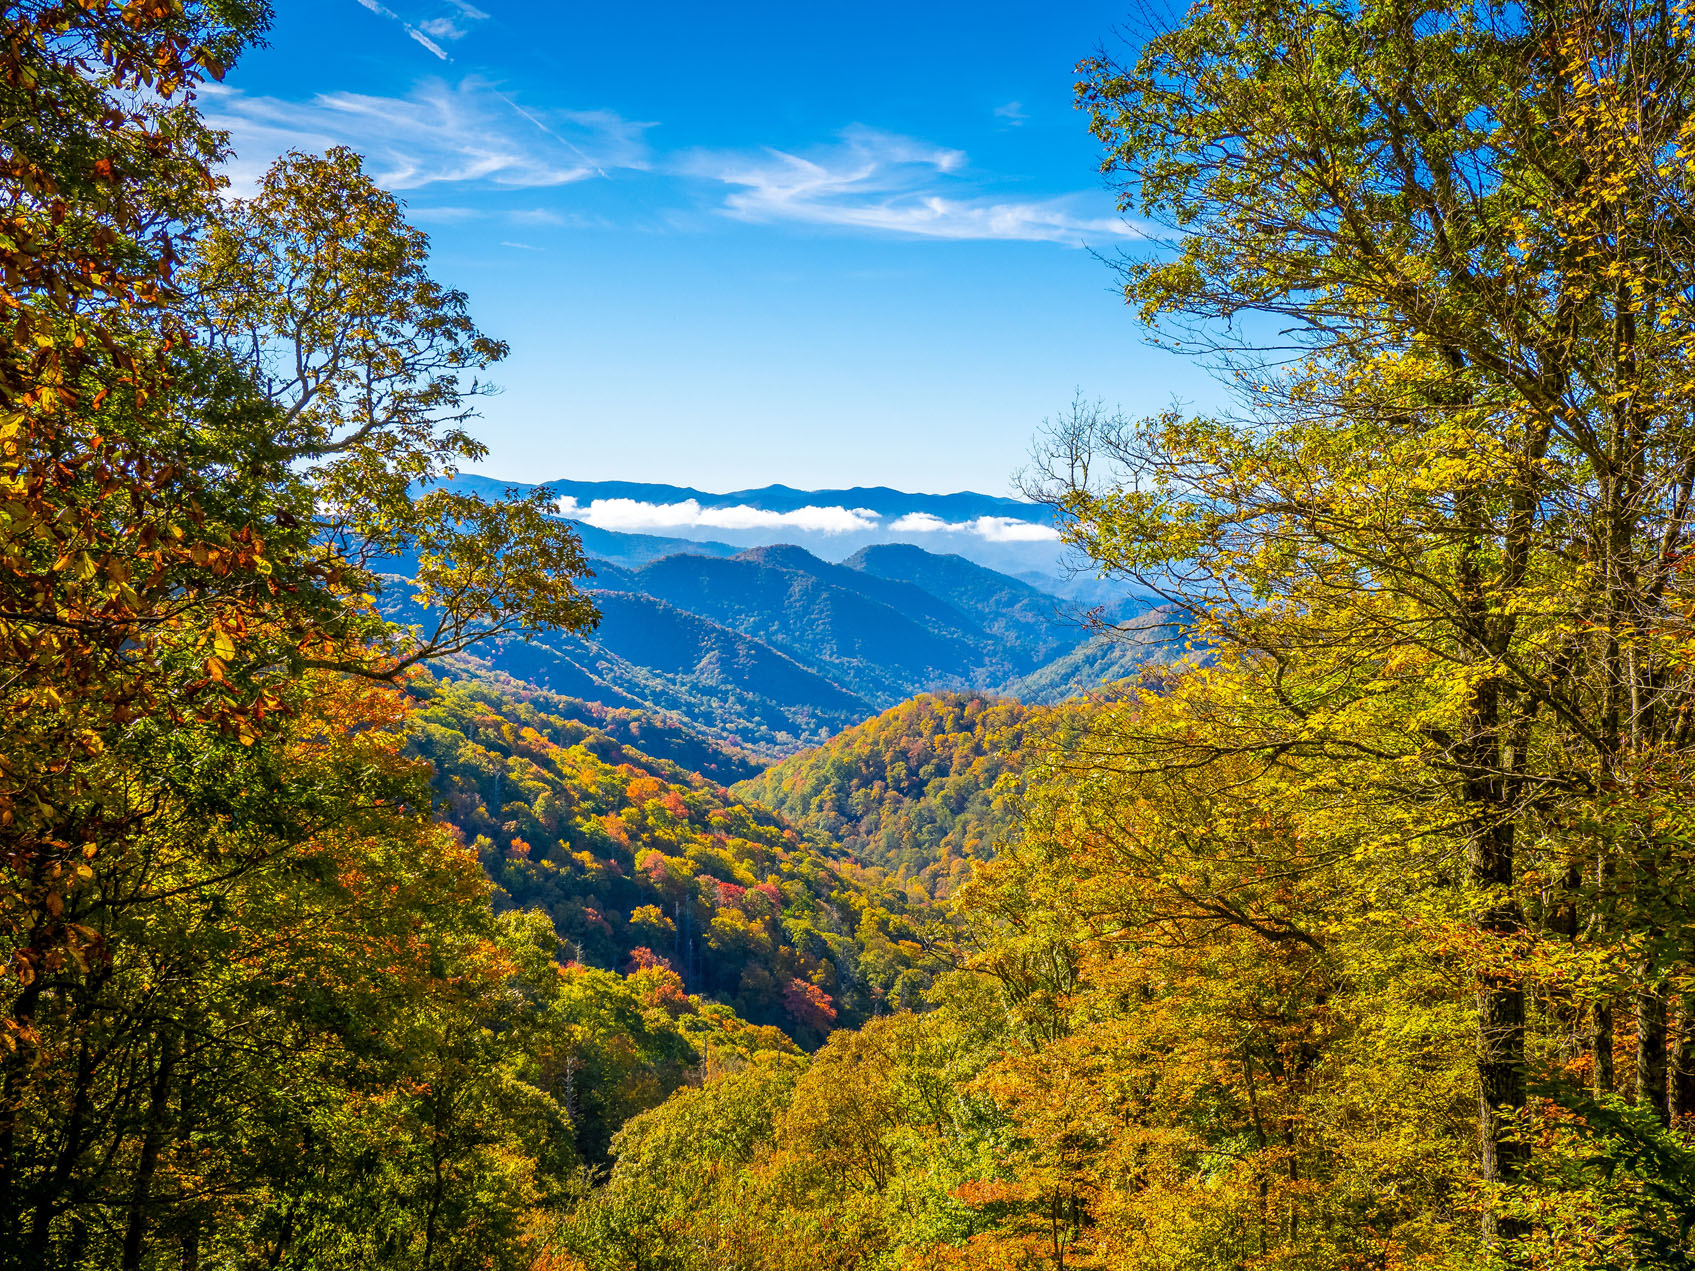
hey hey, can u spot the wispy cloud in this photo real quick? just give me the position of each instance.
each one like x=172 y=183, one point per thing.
x=441 y=28
x=439 y=133
x=535 y=216
x=880 y=182
x=996 y=529
x=444 y=215
x=1013 y=113
x=472 y=132
x=523 y=247
x=633 y=515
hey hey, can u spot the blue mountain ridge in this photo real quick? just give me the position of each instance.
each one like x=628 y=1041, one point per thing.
x=774 y=649
x=962 y=505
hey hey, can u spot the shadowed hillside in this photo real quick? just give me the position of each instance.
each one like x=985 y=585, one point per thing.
x=774 y=649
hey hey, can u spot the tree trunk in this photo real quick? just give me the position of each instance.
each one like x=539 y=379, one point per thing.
x=158 y=1113
x=1500 y=1070
x=1601 y=1031
x=1680 y=1096
x=190 y=1238
x=14 y=1074
x=1500 y=994
x=1651 y=1050
x=51 y=1190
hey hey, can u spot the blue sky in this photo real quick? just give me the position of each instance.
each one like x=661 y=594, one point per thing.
x=745 y=243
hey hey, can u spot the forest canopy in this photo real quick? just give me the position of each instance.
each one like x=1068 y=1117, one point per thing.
x=1361 y=937
x=1366 y=941
x=238 y=954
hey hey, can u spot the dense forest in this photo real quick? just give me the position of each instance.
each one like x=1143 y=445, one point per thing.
x=636 y=859
x=1362 y=937
x=916 y=791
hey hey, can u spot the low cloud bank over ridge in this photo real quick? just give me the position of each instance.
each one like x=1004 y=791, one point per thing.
x=639 y=516
x=633 y=515
x=997 y=529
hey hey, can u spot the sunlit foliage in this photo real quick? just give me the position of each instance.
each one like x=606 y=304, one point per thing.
x=637 y=859
x=1368 y=943
x=912 y=791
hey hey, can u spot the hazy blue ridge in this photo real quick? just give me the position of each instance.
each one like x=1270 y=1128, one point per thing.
x=774 y=649
x=962 y=505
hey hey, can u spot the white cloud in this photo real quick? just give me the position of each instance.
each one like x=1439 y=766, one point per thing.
x=439 y=133
x=635 y=516
x=922 y=523
x=995 y=529
x=1004 y=529
x=523 y=247
x=472 y=133
x=632 y=515
x=443 y=215
x=876 y=181
x=1013 y=113
x=535 y=216
x=455 y=25
x=443 y=28
x=428 y=43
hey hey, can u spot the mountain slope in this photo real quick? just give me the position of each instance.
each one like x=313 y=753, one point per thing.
x=1002 y=607
x=647 y=653
x=1150 y=639
x=775 y=649
x=882 y=647
x=876 y=624
x=638 y=861
x=912 y=791
x=664 y=736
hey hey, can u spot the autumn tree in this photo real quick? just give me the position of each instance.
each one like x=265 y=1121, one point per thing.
x=185 y=551
x=1440 y=253
x=318 y=290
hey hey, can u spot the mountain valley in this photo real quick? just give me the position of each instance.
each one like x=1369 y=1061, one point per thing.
x=774 y=649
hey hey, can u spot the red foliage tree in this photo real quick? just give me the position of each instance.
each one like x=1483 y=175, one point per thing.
x=809 y=1005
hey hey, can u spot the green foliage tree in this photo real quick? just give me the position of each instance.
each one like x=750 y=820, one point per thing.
x=1459 y=487
x=850 y=1159
x=239 y=961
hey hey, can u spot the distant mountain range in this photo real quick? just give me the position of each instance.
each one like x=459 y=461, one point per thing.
x=775 y=649
x=886 y=502
x=633 y=522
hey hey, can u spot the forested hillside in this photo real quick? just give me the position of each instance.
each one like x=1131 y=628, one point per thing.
x=1146 y=644
x=774 y=649
x=914 y=791
x=862 y=623
x=638 y=861
x=651 y=656
x=664 y=737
